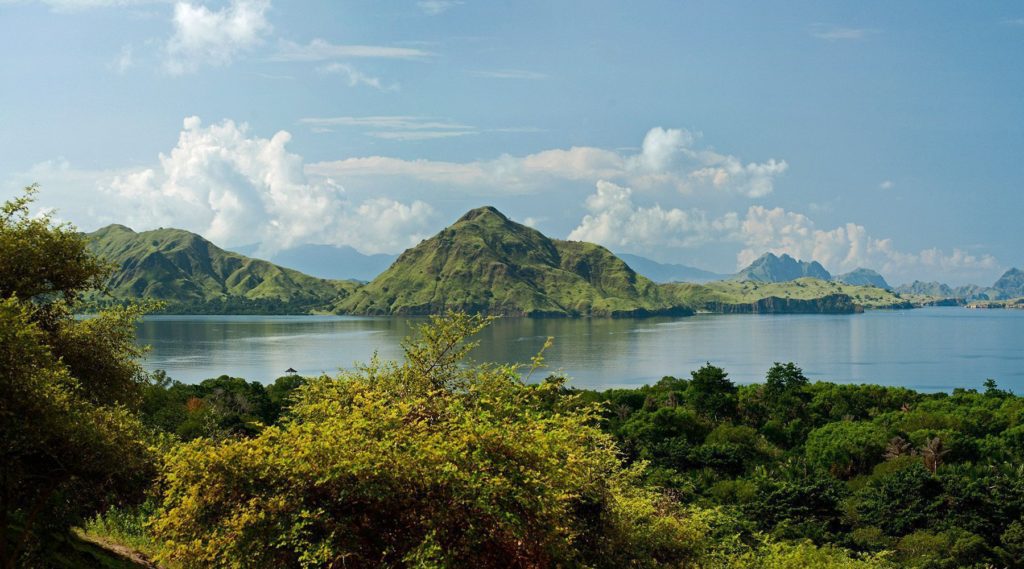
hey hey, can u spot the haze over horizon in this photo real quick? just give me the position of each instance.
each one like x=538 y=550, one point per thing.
x=868 y=135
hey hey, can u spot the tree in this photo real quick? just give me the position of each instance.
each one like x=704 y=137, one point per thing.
x=787 y=400
x=711 y=392
x=70 y=445
x=847 y=447
x=933 y=453
x=428 y=463
x=784 y=379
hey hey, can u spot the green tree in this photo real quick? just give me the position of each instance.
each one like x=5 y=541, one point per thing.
x=70 y=444
x=847 y=448
x=425 y=463
x=711 y=392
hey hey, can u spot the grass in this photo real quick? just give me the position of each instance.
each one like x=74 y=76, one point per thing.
x=743 y=292
x=123 y=532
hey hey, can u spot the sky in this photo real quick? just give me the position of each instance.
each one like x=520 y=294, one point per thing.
x=868 y=134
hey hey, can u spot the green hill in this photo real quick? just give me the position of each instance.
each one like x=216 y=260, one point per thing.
x=490 y=264
x=193 y=275
x=804 y=295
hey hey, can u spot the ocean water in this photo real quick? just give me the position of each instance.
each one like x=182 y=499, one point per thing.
x=930 y=349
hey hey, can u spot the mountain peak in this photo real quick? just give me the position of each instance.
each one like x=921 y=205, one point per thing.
x=483 y=212
x=486 y=263
x=1011 y=283
x=863 y=277
x=781 y=268
x=115 y=227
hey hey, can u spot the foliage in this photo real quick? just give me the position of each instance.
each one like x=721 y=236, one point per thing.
x=70 y=444
x=427 y=463
x=846 y=447
x=215 y=408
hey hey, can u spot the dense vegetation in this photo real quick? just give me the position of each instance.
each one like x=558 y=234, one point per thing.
x=436 y=461
x=813 y=472
x=71 y=445
x=934 y=478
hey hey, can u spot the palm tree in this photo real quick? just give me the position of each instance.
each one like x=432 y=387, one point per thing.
x=933 y=453
x=897 y=447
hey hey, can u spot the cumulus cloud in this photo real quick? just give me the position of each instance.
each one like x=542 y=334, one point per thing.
x=616 y=222
x=237 y=189
x=214 y=37
x=668 y=159
x=846 y=247
x=887 y=185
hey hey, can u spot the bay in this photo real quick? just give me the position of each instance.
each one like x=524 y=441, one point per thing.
x=929 y=349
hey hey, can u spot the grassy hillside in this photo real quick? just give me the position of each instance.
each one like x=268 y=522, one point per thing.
x=192 y=274
x=488 y=263
x=702 y=297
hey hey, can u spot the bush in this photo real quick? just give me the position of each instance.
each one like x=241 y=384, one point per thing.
x=426 y=463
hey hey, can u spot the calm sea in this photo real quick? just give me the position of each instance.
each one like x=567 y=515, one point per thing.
x=927 y=349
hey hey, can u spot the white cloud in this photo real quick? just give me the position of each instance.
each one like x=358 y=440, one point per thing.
x=668 y=159
x=236 y=189
x=395 y=127
x=435 y=7
x=356 y=77
x=887 y=185
x=1017 y=22
x=616 y=222
x=214 y=37
x=846 y=247
x=508 y=74
x=839 y=33
x=322 y=50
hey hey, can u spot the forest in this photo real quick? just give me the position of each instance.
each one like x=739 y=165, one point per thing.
x=439 y=461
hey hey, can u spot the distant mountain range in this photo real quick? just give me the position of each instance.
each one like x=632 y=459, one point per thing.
x=771 y=268
x=192 y=274
x=327 y=261
x=487 y=263
x=863 y=277
x=1008 y=286
x=668 y=272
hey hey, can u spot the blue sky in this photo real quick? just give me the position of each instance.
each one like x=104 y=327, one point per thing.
x=860 y=134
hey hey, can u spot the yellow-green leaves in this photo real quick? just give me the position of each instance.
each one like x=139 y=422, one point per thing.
x=430 y=462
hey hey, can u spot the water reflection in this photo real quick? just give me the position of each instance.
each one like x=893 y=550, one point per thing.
x=936 y=348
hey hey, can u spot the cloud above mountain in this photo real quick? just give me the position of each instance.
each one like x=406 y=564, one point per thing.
x=615 y=220
x=668 y=159
x=670 y=195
